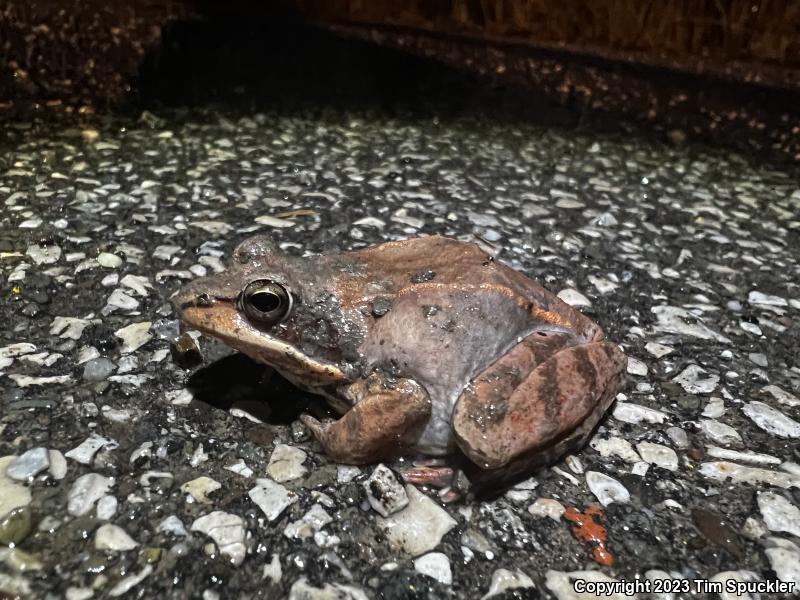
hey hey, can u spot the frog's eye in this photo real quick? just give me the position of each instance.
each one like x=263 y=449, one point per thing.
x=265 y=302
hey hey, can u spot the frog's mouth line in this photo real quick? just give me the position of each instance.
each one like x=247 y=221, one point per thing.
x=222 y=321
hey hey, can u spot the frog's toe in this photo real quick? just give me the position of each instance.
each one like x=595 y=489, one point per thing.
x=519 y=405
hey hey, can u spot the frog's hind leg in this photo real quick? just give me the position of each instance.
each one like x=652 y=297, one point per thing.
x=535 y=397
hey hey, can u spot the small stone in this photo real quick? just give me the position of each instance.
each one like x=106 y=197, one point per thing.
x=272 y=570
x=435 y=565
x=240 y=468
x=779 y=514
x=678 y=437
x=606 y=489
x=15 y=525
x=722 y=470
x=106 y=507
x=346 y=473
x=98 y=369
x=503 y=580
x=771 y=420
x=755 y=458
x=301 y=590
x=87 y=490
x=547 y=507
x=615 y=446
x=714 y=409
x=574 y=298
x=286 y=463
x=419 y=527
x=659 y=455
x=58 y=464
x=658 y=350
x=199 y=489
x=691 y=379
x=85 y=453
x=12 y=494
x=755 y=297
x=636 y=367
x=129 y=582
x=134 y=336
x=311 y=522
x=108 y=260
x=785 y=562
x=780 y=395
x=111 y=538
x=271 y=497
x=228 y=532
x=719 y=433
x=44 y=255
x=385 y=494
x=28 y=465
x=172 y=525
x=628 y=412
x=758 y=359
x=185 y=351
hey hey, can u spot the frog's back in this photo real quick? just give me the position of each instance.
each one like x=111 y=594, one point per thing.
x=412 y=265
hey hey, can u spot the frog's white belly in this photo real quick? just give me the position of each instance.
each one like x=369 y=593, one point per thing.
x=437 y=437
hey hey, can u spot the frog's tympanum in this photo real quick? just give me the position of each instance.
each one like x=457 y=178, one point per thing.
x=427 y=345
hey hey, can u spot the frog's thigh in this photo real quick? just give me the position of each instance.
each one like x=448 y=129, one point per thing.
x=383 y=419
x=519 y=404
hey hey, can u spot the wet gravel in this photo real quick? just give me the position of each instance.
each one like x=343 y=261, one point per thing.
x=129 y=470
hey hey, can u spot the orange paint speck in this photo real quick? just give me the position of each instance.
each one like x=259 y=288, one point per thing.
x=589 y=530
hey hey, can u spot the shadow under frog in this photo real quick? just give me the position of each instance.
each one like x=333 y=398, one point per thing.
x=423 y=346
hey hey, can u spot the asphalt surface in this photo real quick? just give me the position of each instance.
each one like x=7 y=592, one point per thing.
x=128 y=475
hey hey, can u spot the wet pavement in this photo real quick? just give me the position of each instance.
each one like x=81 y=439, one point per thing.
x=127 y=475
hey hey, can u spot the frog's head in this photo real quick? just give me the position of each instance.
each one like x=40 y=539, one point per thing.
x=279 y=309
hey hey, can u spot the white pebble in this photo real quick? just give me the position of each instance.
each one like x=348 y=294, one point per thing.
x=272 y=498
x=306 y=526
x=658 y=455
x=574 y=298
x=691 y=379
x=112 y=538
x=87 y=490
x=134 y=336
x=628 y=412
x=771 y=420
x=199 y=489
x=385 y=494
x=435 y=565
x=722 y=470
x=606 y=489
x=779 y=514
x=636 y=367
x=503 y=579
x=29 y=464
x=286 y=463
x=420 y=526
x=228 y=532
x=658 y=350
x=547 y=507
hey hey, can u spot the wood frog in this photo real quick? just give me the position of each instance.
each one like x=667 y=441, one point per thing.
x=425 y=345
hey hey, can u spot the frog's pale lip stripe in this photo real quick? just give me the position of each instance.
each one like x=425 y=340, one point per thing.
x=247 y=335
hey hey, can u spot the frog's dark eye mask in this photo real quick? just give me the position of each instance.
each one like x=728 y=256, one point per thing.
x=265 y=302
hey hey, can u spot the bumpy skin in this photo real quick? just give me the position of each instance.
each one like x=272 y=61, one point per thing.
x=425 y=344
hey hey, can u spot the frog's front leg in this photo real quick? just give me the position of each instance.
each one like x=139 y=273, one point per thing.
x=385 y=417
x=534 y=397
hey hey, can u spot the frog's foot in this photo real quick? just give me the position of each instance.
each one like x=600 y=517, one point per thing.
x=381 y=422
x=438 y=477
x=532 y=398
x=452 y=483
